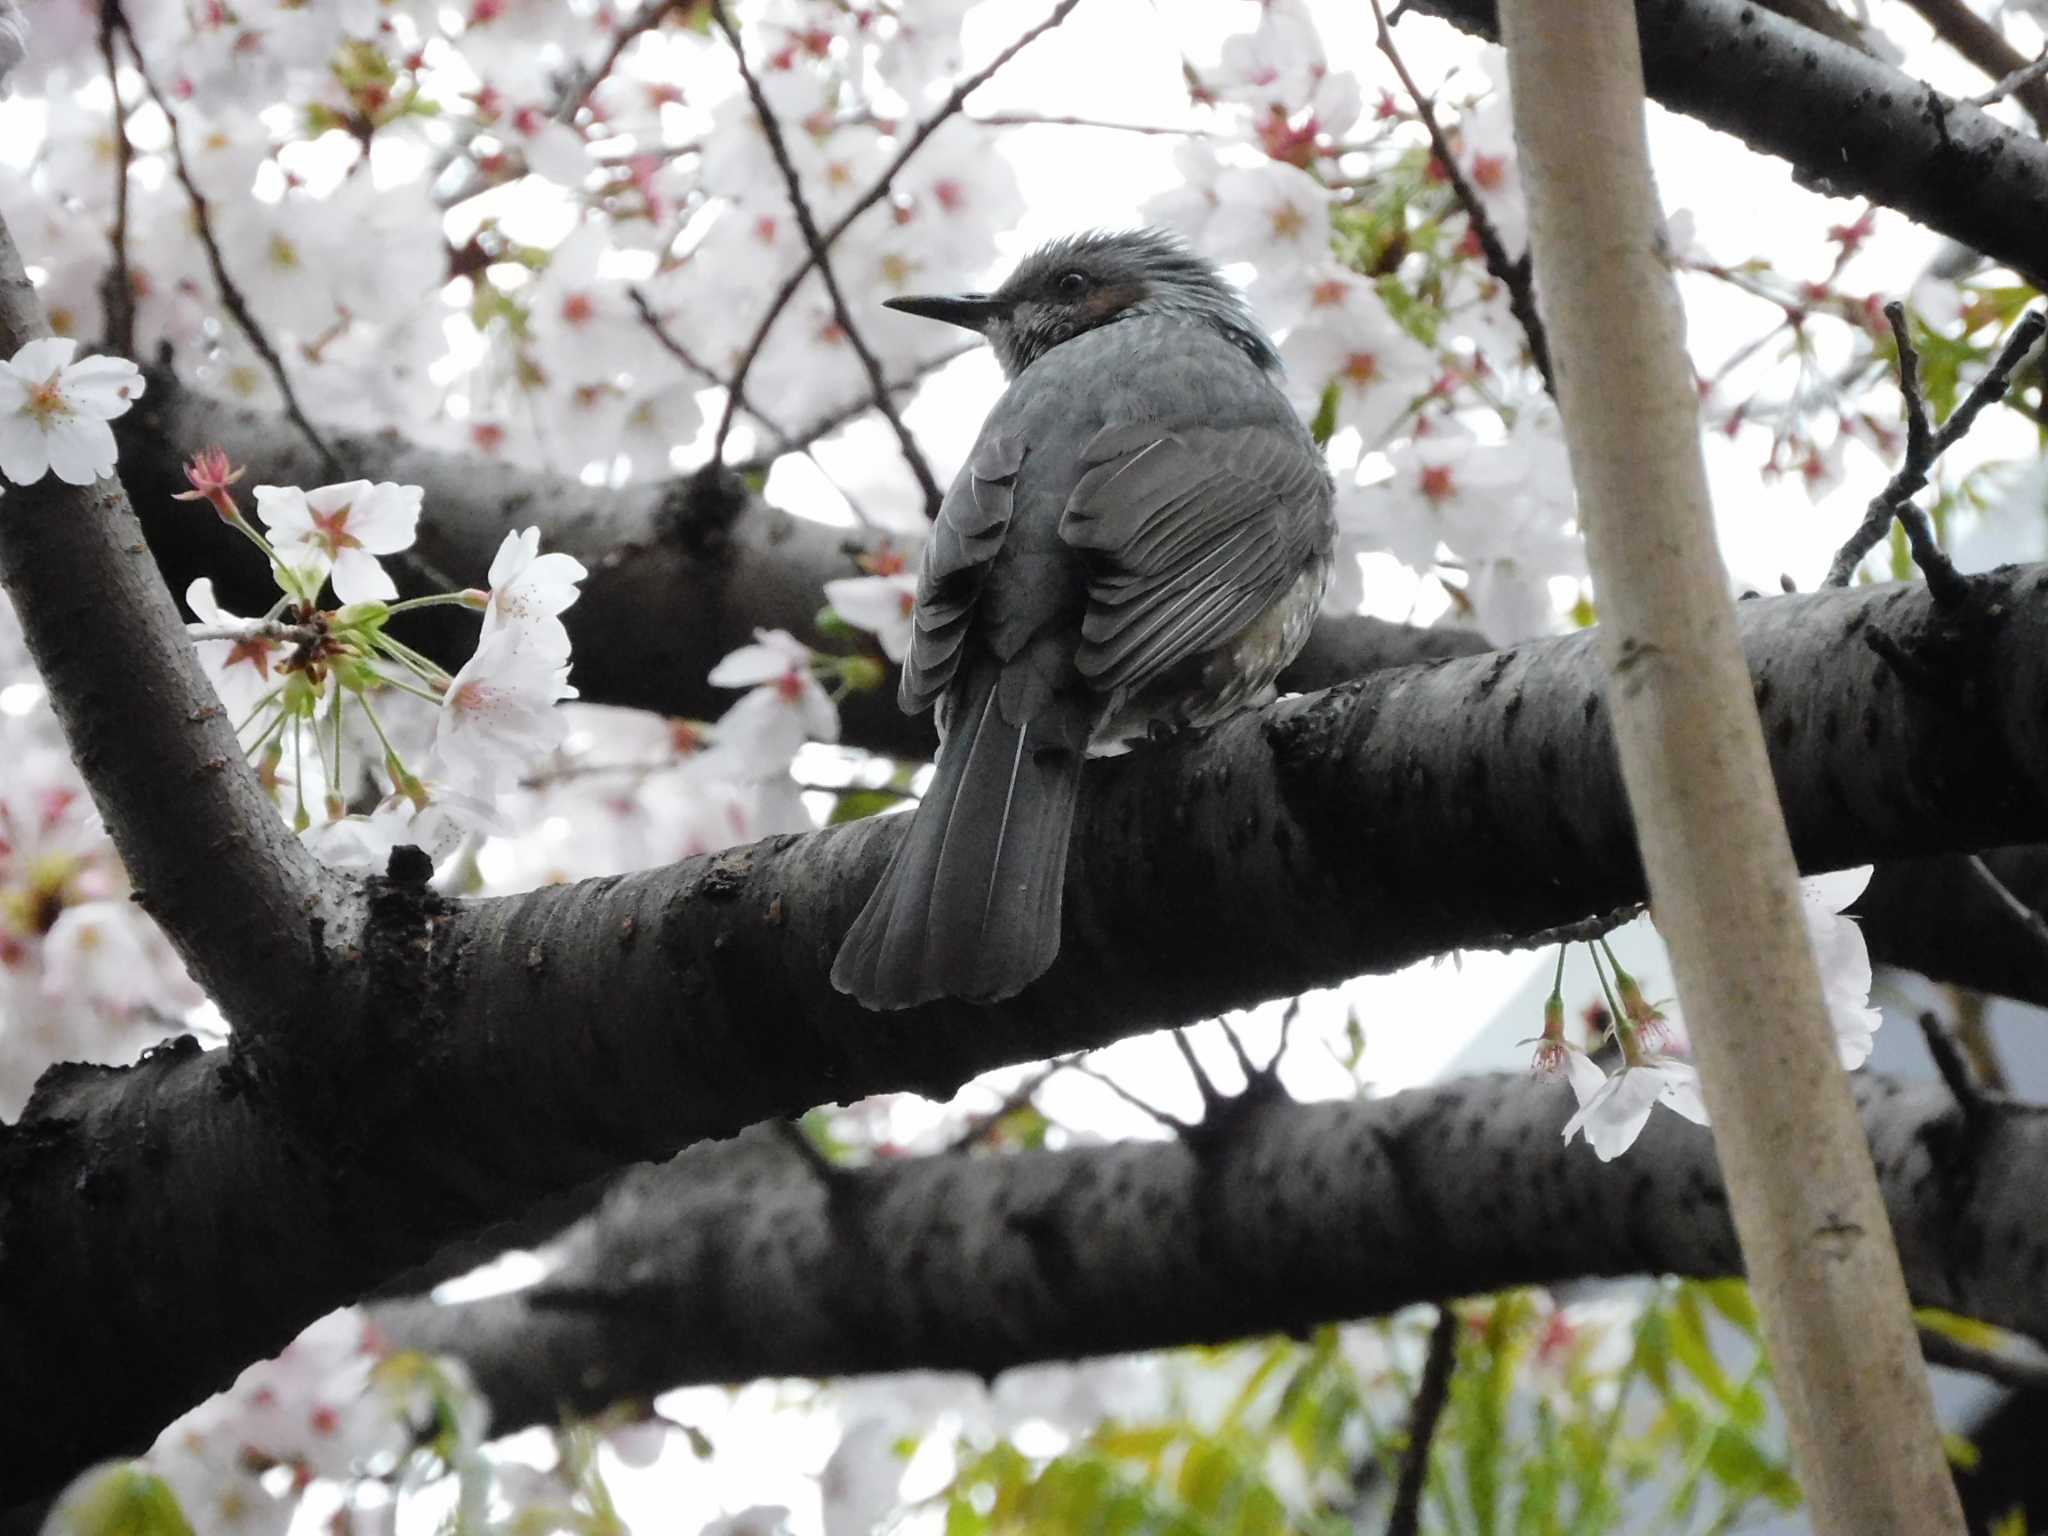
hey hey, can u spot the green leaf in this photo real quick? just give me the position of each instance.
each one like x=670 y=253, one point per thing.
x=859 y=804
x=1324 y=426
x=963 y=1519
x=1691 y=1349
x=1732 y=1300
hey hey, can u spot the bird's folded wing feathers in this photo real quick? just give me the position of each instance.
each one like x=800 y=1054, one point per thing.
x=1193 y=532
x=971 y=523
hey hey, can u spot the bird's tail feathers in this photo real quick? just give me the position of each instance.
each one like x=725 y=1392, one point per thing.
x=969 y=907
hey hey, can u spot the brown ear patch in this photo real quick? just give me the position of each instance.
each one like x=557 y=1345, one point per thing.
x=1107 y=303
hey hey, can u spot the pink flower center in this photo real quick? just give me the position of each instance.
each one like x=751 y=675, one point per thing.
x=333 y=529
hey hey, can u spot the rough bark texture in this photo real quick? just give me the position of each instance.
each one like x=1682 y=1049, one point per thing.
x=1851 y=125
x=1936 y=917
x=682 y=571
x=201 y=841
x=514 y=1048
x=736 y=1260
x=161 y=1226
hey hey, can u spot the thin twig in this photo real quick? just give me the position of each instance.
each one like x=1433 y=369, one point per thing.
x=1512 y=274
x=670 y=343
x=980 y=1127
x=1173 y=1124
x=1985 y=46
x=2018 y=80
x=1430 y=1397
x=117 y=291
x=783 y=440
x=256 y=629
x=230 y=295
x=804 y=437
x=1244 y=1061
x=1067 y=120
x=2028 y=919
x=576 y=90
x=867 y=200
x=1211 y=1094
x=771 y=126
x=1954 y=1067
x=827 y=1172
x=1923 y=447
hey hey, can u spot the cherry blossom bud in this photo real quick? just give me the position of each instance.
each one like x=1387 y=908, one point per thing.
x=211 y=475
x=862 y=673
x=1551 y=1052
x=1646 y=1021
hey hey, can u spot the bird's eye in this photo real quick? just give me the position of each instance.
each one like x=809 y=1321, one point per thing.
x=1071 y=285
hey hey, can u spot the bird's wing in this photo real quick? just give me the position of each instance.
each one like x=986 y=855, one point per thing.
x=963 y=544
x=1191 y=532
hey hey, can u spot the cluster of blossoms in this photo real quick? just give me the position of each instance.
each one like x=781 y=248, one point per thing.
x=1652 y=1040
x=291 y=677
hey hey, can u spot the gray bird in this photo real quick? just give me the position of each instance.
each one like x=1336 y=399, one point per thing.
x=1140 y=536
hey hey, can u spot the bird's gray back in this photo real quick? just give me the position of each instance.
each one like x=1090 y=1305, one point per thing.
x=1150 y=368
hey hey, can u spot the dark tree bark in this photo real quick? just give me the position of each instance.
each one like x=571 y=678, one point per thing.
x=1851 y=125
x=737 y=1260
x=682 y=571
x=406 y=1070
x=513 y=1048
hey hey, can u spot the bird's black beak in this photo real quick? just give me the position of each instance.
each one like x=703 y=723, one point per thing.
x=973 y=310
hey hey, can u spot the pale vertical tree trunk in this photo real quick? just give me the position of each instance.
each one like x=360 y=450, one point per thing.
x=1814 y=1236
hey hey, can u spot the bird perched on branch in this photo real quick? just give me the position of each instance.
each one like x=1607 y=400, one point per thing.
x=1140 y=537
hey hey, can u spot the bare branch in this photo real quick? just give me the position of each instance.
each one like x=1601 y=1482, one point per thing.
x=1954 y=1068
x=117 y=288
x=1510 y=272
x=2008 y=85
x=1430 y=1397
x=868 y=199
x=255 y=629
x=230 y=295
x=1304 y=1214
x=1985 y=46
x=800 y=205
x=2029 y=920
x=209 y=855
x=1923 y=447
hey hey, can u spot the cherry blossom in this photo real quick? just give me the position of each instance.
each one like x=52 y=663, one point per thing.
x=1613 y=1110
x=1842 y=957
x=881 y=605
x=1343 y=335
x=499 y=714
x=101 y=951
x=240 y=670
x=1273 y=214
x=529 y=592
x=341 y=529
x=785 y=706
x=54 y=412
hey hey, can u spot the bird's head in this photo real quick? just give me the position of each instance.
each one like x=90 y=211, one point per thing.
x=1085 y=281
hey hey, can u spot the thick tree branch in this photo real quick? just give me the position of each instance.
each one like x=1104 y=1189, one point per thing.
x=246 y=906
x=1985 y=46
x=1851 y=125
x=730 y=1263
x=517 y=1047
x=681 y=571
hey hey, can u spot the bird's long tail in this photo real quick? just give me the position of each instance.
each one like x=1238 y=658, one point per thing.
x=969 y=907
